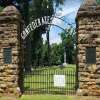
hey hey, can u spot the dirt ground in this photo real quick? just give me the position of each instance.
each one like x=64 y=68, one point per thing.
x=87 y=98
x=8 y=98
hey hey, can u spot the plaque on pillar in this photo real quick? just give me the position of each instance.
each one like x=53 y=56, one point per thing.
x=91 y=55
x=7 y=55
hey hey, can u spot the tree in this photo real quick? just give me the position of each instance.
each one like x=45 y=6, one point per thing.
x=39 y=8
x=98 y=2
x=45 y=54
x=6 y=2
x=1 y=8
x=69 y=43
x=56 y=54
x=57 y=2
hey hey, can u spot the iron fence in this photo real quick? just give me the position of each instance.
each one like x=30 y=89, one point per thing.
x=49 y=80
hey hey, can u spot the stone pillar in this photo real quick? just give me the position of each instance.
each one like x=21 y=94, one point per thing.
x=88 y=44
x=10 y=51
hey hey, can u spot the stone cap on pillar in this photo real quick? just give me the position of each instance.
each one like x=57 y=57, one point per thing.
x=10 y=12
x=88 y=8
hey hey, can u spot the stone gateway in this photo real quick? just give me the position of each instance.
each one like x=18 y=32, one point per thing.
x=88 y=50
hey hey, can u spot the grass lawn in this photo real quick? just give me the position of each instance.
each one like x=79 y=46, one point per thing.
x=46 y=97
x=51 y=97
x=41 y=80
x=59 y=97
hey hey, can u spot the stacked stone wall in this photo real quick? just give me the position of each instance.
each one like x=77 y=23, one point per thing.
x=10 y=38
x=88 y=35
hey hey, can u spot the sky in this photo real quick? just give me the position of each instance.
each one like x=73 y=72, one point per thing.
x=68 y=12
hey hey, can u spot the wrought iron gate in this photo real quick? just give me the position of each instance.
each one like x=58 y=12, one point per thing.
x=51 y=80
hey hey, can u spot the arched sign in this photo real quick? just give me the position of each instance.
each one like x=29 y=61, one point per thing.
x=46 y=20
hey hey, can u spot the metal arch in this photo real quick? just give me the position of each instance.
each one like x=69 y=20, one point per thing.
x=52 y=24
x=60 y=19
x=56 y=26
x=63 y=20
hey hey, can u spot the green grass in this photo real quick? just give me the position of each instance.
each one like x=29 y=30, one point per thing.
x=41 y=79
x=46 y=97
x=59 y=97
x=51 y=97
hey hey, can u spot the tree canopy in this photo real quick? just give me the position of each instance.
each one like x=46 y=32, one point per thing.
x=69 y=43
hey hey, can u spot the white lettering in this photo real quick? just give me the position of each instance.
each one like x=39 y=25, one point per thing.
x=23 y=35
x=30 y=25
x=28 y=28
x=39 y=22
x=35 y=24
x=26 y=31
x=43 y=21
